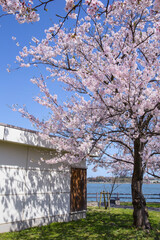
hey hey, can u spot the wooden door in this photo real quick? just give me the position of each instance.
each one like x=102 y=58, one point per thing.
x=78 y=189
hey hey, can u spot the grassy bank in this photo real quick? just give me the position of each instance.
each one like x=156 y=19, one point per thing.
x=115 y=224
x=155 y=205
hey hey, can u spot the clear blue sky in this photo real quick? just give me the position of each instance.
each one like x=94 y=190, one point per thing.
x=15 y=87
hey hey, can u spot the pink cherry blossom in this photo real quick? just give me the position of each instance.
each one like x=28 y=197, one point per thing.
x=21 y=9
x=156 y=5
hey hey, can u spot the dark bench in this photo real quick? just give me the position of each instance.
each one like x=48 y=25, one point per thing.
x=115 y=201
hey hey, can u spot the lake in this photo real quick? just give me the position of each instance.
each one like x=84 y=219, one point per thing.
x=123 y=188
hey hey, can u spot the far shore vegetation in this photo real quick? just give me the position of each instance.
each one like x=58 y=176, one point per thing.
x=102 y=179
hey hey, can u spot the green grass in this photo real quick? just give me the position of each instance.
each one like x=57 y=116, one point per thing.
x=100 y=224
x=156 y=205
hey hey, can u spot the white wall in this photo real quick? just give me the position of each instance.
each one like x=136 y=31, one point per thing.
x=23 y=136
x=29 y=190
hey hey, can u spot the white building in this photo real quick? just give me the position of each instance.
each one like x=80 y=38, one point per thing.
x=33 y=194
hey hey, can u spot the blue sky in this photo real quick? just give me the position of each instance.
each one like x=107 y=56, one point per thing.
x=15 y=87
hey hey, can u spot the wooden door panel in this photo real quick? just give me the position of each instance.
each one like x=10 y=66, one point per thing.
x=78 y=189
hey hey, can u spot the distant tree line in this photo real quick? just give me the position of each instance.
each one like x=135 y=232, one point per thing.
x=121 y=179
x=108 y=179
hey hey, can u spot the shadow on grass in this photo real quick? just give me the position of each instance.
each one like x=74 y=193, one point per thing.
x=99 y=225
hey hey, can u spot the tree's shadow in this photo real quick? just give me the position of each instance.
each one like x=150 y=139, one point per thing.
x=30 y=193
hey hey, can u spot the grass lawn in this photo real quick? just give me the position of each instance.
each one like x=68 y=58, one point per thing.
x=99 y=224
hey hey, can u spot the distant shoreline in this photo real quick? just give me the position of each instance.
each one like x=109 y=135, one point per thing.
x=109 y=182
x=119 y=183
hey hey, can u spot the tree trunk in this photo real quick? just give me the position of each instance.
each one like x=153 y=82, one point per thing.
x=140 y=213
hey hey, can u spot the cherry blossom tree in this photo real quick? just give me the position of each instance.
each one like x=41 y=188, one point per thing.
x=110 y=66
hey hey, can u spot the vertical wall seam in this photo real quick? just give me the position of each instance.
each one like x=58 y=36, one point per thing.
x=4 y=132
x=25 y=182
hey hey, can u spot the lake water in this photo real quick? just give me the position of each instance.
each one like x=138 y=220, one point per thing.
x=123 y=188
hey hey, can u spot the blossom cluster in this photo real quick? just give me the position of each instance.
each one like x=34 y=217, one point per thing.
x=69 y=5
x=23 y=10
x=93 y=6
x=156 y=5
